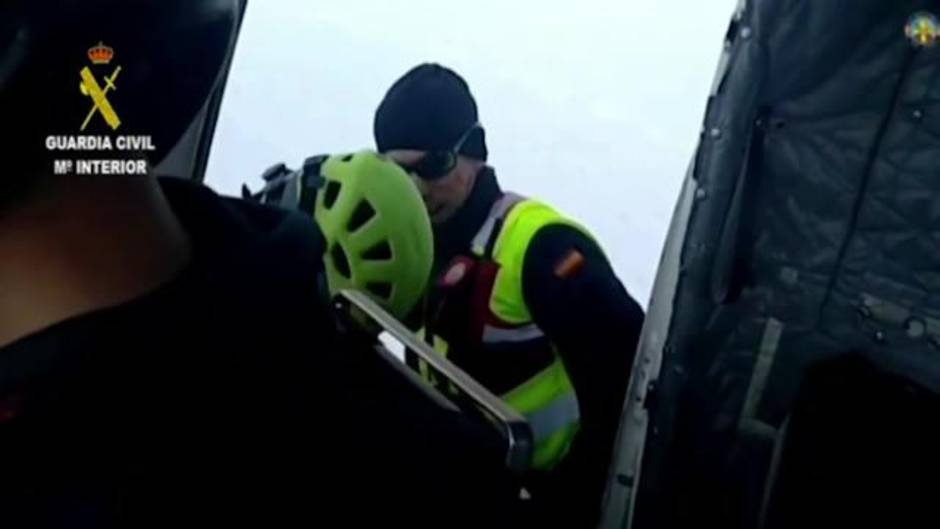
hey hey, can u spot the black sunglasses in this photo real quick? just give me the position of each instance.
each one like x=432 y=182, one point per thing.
x=437 y=164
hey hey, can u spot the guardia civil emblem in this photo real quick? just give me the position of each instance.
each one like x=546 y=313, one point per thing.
x=100 y=55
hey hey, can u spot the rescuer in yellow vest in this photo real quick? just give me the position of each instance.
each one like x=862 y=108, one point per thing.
x=523 y=298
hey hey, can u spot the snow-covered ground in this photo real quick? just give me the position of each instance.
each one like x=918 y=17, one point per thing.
x=594 y=106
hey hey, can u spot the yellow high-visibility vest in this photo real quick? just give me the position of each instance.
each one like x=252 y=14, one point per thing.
x=547 y=399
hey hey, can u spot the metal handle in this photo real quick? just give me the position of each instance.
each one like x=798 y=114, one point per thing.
x=512 y=425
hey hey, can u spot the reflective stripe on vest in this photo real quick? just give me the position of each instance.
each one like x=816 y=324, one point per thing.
x=549 y=403
x=497 y=213
x=555 y=416
x=525 y=333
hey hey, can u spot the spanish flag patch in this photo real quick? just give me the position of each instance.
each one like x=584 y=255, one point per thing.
x=569 y=265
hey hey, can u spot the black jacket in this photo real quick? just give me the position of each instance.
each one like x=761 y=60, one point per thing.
x=225 y=399
x=592 y=320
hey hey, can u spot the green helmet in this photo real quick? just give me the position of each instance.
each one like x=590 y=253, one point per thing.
x=377 y=230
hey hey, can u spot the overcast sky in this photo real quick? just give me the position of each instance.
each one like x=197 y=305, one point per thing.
x=593 y=106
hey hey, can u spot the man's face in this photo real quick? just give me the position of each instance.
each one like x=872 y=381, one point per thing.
x=444 y=196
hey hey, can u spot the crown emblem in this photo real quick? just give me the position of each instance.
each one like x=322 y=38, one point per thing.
x=100 y=54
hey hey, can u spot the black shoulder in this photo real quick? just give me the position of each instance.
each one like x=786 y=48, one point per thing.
x=559 y=253
x=264 y=247
x=565 y=271
x=216 y=219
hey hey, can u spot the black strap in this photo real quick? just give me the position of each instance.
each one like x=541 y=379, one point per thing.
x=311 y=181
x=494 y=235
x=731 y=269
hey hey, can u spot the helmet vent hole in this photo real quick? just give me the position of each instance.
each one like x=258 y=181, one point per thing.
x=330 y=194
x=340 y=261
x=380 y=289
x=380 y=252
x=347 y=158
x=363 y=214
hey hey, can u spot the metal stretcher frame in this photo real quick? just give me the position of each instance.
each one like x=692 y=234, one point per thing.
x=474 y=399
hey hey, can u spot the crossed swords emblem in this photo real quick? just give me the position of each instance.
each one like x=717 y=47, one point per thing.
x=90 y=87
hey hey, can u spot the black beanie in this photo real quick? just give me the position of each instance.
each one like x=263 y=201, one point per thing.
x=428 y=109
